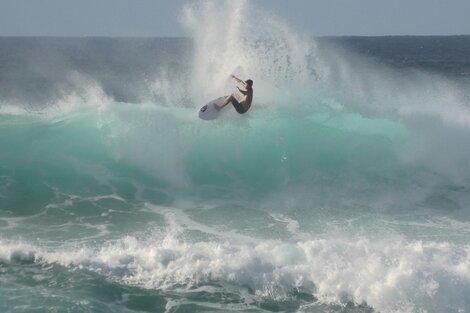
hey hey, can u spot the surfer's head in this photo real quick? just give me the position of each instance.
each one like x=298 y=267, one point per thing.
x=249 y=82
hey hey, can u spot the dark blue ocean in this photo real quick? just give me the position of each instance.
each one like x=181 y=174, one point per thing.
x=345 y=188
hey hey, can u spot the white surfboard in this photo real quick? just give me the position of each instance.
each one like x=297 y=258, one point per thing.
x=209 y=111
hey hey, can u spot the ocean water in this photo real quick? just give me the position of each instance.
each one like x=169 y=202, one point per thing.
x=346 y=187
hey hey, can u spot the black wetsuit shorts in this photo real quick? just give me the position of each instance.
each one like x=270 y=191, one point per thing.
x=238 y=106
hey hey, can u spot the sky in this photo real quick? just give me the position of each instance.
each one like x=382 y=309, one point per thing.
x=159 y=18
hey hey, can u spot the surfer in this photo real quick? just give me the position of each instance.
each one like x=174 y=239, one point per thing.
x=241 y=102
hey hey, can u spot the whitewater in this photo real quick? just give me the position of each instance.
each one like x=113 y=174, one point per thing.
x=345 y=188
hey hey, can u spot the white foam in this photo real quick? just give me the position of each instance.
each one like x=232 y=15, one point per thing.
x=87 y=93
x=10 y=109
x=391 y=275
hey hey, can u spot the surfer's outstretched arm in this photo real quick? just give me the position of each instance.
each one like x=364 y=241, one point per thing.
x=239 y=80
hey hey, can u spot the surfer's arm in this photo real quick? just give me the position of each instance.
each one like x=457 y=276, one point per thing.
x=239 y=80
x=242 y=91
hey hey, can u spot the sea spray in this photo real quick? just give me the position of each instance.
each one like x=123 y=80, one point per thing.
x=229 y=36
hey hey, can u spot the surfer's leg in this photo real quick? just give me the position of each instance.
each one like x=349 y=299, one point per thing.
x=238 y=106
x=227 y=100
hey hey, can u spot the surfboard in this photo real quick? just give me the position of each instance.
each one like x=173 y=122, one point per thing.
x=209 y=111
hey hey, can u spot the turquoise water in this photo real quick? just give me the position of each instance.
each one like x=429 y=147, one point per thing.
x=119 y=210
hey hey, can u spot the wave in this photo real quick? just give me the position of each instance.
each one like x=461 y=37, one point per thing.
x=389 y=274
x=321 y=154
